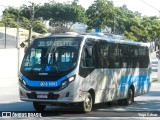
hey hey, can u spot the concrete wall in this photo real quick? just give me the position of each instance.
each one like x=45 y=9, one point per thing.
x=9 y=62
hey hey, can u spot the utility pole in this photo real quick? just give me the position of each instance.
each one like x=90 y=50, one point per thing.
x=32 y=12
x=5 y=35
x=17 y=44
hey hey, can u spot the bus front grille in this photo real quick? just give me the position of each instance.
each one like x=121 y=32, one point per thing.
x=45 y=78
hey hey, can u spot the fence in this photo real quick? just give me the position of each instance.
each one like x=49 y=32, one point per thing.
x=7 y=38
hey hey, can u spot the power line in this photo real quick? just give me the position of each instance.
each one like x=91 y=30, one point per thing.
x=150 y=5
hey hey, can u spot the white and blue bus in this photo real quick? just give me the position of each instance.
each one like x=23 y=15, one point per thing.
x=84 y=69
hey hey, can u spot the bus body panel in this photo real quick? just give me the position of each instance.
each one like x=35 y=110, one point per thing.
x=110 y=84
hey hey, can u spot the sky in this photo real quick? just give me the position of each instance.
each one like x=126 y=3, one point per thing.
x=134 y=5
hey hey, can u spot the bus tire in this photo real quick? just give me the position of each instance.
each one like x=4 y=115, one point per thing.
x=109 y=103
x=121 y=101
x=130 y=97
x=87 y=104
x=129 y=100
x=38 y=107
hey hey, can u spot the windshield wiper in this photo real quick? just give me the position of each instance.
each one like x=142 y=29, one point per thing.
x=34 y=66
x=49 y=50
x=54 y=64
x=55 y=67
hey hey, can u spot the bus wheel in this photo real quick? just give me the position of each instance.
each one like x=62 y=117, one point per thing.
x=130 y=98
x=88 y=103
x=121 y=101
x=38 y=107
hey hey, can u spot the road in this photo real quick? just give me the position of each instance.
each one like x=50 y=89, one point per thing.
x=145 y=105
x=148 y=103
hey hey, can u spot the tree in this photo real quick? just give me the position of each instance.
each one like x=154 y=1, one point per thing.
x=75 y=2
x=100 y=14
x=39 y=27
x=10 y=17
x=31 y=19
x=2 y=24
x=62 y=16
x=11 y=14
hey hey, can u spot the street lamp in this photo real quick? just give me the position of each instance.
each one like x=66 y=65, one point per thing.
x=17 y=44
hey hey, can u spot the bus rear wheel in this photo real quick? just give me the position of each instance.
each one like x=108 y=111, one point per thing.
x=130 y=97
x=88 y=103
x=38 y=107
x=129 y=100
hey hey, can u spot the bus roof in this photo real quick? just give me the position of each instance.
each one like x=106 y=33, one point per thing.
x=112 y=39
x=99 y=36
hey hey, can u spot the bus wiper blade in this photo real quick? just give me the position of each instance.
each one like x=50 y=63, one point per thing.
x=35 y=65
x=55 y=67
x=49 y=50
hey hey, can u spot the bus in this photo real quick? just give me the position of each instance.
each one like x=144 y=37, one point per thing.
x=83 y=70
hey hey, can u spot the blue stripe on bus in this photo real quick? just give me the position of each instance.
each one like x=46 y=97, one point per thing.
x=44 y=83
x=140 y=82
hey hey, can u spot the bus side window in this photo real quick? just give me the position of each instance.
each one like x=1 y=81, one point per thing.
x=87 y=57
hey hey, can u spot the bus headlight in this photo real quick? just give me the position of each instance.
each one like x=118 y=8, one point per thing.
x=23 y=82
x=66 y=82
x=71 y=78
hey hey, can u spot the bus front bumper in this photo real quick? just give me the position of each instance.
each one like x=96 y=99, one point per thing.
x=64 y=96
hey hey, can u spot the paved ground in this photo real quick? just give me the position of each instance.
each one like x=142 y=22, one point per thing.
x=146 y=104
x=150 y=103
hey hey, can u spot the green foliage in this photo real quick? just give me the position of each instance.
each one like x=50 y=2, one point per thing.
x=39 y=27
x=100 y=14
x=2 y=24
x=64 y=13
x=62 y=16
x=34 y=36
x=121 y=20
x=10 y=17
x=129 y=35
x=21 y=17
x=88 y=31
x=24 y=23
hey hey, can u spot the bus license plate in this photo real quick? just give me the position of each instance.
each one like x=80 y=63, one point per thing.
x=42 y=96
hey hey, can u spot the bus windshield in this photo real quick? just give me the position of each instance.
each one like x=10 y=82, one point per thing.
x=52 y=55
